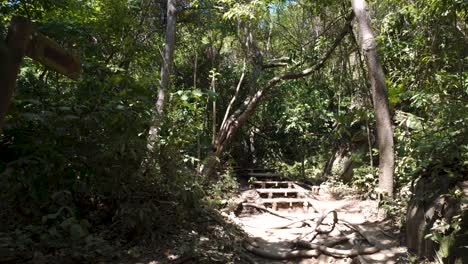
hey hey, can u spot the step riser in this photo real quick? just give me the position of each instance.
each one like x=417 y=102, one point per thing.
x=279 y=192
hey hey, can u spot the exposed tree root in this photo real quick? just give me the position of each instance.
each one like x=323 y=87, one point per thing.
x=360 y=231
x=280 y=255
x=314 y=249
x=319 y=222
x=304 y=221
x=263 y=208
x=341 y=253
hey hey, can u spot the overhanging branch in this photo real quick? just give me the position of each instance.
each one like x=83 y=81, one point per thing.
x=241 y=115
x=247 y=109
x=319 y=65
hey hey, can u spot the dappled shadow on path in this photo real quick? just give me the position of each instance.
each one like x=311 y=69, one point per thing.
x=276 y=244
x=356 y=218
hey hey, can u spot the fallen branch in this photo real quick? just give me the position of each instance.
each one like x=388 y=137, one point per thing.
x=319 y=222
x=268 y=210
x=304 y=221
x=361 y=232
x=315 y=249
x=341 y=253
x=298 y=253
x=280 y=255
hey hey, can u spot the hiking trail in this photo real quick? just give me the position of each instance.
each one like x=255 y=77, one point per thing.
x=290 y=222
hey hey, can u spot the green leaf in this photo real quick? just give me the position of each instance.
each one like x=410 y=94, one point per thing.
x=71 y=117
x=197 y=93
x=212 y=95
x=77 y=231
x=54 y=232
x=32 y=117
x=67 y=222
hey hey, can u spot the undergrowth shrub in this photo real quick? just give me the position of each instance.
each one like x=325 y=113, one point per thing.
x=365 y=178
x=298 y=171
x=225 y=187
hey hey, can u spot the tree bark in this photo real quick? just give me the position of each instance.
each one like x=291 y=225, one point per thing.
x=166 y=68
x=379 y=97
x=213 y=108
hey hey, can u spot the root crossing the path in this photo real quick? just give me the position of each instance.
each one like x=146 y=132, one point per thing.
x=343 y=229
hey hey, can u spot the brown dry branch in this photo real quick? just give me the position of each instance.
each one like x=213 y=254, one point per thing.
x=314 y=249
x=340 y=253
x=268 y=210
x=358 y=229
x=319 y=223
x=304 y=221
x=253 y=248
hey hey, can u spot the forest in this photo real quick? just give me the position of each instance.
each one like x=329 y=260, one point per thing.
x=139 y=131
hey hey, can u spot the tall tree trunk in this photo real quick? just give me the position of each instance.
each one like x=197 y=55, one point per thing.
x=166 y=68
x=379 y=97
x=213 y=110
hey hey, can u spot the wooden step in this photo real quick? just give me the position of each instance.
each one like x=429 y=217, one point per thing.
x=273 y=182
x=286 y=200
x=275 y=201
x=289 y=184
x=286 y=192
x=264 y=175
x=281 y=190
x=265 y=184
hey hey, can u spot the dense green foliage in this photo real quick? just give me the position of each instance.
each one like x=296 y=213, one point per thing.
x=71 y=151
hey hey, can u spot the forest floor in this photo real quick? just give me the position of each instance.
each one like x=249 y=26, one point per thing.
x=219 y=236
x=364 y=214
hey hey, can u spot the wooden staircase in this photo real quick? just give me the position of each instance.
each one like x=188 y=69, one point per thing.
x=277 y=191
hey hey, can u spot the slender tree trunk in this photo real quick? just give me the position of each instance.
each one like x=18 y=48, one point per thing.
x=228 y=109
x=379 y=97
x=166 y=68
x=195 y=69
x=213 y=113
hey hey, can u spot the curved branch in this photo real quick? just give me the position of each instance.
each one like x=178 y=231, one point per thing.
x=239 y=117
x=268 y=210
x=234 y=97
x=341 y=253
x=280 y=255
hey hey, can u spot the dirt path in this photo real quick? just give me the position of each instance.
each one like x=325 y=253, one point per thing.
x=263 y=232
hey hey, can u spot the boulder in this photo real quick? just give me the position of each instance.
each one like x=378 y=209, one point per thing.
x=431 y=201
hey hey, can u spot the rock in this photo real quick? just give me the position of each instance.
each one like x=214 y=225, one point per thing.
x=430 y=202
x=252 y=196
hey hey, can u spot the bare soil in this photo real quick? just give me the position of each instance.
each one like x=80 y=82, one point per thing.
x=261 y=228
